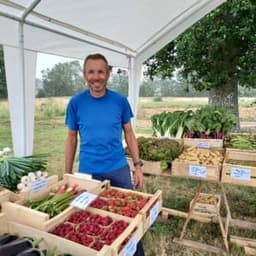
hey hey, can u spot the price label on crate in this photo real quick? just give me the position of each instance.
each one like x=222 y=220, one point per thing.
x=203 y=144
x=197 y=171
x=38 y=185
x=131 y=246
x=240 y=174
x=153 y=213
x=83 y=200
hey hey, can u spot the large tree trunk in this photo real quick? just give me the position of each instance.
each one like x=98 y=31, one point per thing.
x=226 y=96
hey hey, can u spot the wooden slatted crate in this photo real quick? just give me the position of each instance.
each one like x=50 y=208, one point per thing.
x=154 y=167
x=203 y=143
x=239 y=167
x=49 y=240
x=198 y=163
x=28 y=193
x=205 y=205
x=4 y=196
x=150 y=210
x=149 y=167
x=131 y=234
x=196 y=171
x=19 y=212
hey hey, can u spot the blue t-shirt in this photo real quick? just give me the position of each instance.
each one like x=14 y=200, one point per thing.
x=99 y=122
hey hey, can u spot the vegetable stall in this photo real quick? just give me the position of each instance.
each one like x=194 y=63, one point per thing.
x=44 y=208
x=71 y=216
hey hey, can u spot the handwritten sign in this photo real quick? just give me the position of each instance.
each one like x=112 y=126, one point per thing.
x=38 y=185
x=197 y=171
x=83 y=200
x=240 y=174
x=153 y=213
x=202 y=144
x=131 y=247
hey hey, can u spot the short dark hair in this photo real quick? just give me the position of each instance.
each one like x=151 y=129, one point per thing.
x=96 y=56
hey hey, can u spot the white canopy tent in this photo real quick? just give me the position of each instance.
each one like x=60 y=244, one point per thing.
x=126 y=32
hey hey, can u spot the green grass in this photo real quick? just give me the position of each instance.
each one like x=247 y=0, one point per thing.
x=148 y=131
x=49 y=137
x=164 y=104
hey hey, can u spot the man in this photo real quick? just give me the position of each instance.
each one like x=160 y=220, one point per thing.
x=100 y=115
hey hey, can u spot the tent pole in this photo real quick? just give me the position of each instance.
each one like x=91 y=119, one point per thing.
x=134 y=77
x=22 y=65
x=23 y=96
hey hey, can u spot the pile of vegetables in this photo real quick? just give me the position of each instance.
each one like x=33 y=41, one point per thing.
x=55 y=202
x=202 y=156
x=11 y=244
x=240 y=141
x=12 y=169
x=155 y=149
x=207 y=122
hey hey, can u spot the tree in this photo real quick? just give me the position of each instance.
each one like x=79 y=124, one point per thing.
x=64 y=79
x=3 y=85
x=119 y=82
x=216 y=54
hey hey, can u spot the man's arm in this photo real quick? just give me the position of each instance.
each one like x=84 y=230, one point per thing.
x=71 y=144
x=132 y=145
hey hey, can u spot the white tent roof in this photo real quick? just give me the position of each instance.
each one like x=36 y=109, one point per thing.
x=126 y=32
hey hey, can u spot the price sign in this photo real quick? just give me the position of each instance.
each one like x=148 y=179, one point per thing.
x=240 y=174
x=197 y=171
x=153 y=213
x=131 y=246
x=202 y=144
x=83 y=200
x=38 y=185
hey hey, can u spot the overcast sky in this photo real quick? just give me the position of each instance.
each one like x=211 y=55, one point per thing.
x=45 y=61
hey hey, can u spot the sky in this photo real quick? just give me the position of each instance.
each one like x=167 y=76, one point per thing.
x=45 y=61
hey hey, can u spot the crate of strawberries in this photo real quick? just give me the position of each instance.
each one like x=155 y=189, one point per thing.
x=130 y=203
x=100 y=232
x=18 y=239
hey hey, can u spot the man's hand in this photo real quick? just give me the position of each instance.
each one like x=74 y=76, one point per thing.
x=138 y=177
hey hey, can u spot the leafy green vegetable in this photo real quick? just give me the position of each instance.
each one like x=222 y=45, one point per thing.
x=207 y=122
x=13 y=168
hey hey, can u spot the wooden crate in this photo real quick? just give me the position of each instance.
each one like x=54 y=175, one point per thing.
x=206 y=208
x=49 y=240
x=196 y=171
x=20 y=213
x=153 y=167
x=239 y=174
x=203 y=143
x=149 y=167
x=4 y=196
x=16 y=196
x=35 y=191
x=151 y=209
x=132 y=234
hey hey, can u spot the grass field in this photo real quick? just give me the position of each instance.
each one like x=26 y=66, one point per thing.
x=50 y=133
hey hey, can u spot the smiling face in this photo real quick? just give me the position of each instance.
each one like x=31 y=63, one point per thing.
x=96 y=74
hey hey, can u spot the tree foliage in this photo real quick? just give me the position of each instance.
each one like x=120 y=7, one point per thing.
x=119 y=82
x=3 y=86
x=219 y=48
x=64 y=79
